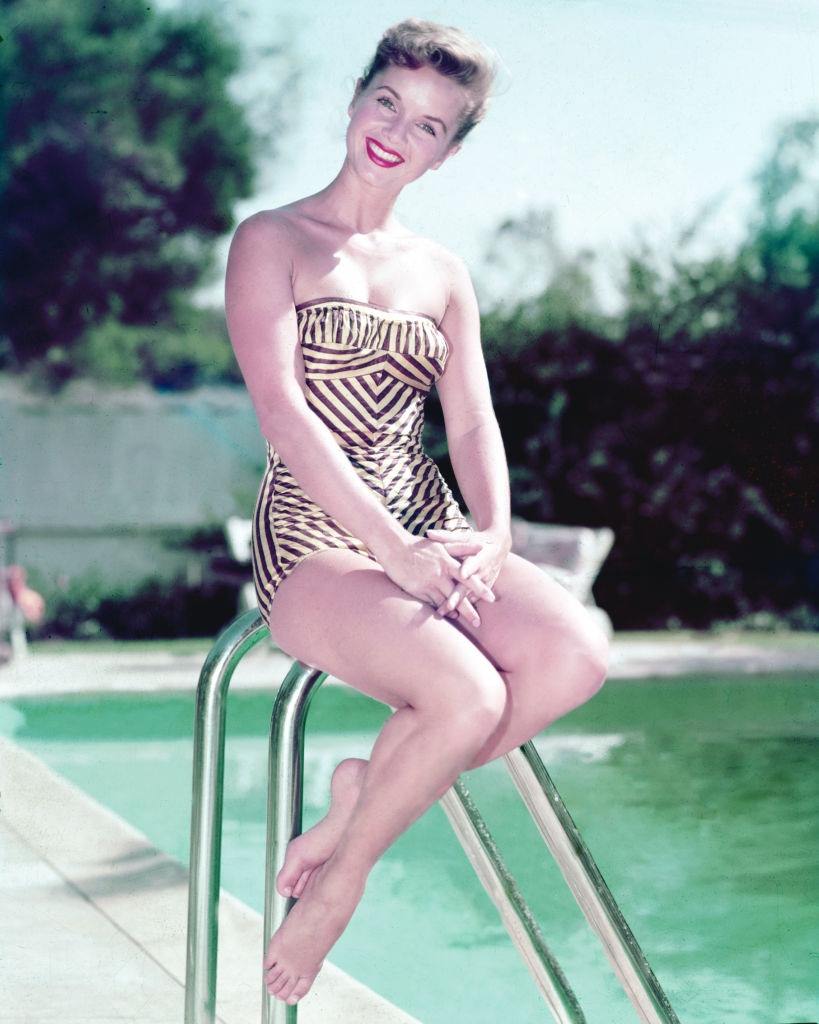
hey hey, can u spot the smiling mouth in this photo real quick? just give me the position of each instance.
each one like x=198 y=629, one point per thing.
x=381 y=156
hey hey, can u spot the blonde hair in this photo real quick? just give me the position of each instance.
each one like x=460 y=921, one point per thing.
x=413 y=43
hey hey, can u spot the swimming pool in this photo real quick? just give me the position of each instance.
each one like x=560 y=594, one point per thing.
x=698 y=797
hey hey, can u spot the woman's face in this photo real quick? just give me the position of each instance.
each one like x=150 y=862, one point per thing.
x=413 y=114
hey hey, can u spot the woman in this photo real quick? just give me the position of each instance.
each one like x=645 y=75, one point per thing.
x=364 y=565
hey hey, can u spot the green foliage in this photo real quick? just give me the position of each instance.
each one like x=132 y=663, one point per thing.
x=193 y=350
x=689 y=423
x=122 y=157
x=88 y=608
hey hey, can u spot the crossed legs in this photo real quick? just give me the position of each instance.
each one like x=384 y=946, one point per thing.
x=463 y=695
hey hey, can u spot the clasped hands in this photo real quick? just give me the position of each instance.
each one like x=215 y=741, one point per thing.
x=481 y=554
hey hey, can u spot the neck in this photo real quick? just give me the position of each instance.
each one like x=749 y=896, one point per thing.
x=356 y=205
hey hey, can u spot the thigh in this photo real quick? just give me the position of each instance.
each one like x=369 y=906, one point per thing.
x=340 y=612
x=532 y=613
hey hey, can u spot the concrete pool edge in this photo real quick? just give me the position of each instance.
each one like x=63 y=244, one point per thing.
x=81 y=856
x=115 y=672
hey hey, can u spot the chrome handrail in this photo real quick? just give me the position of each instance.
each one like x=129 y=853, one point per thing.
x=485 y=858
x=588 y=886
x=285 y=786
x=284 y=821
x=235 y=640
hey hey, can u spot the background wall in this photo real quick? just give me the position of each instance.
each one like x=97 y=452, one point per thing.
x=113 y=482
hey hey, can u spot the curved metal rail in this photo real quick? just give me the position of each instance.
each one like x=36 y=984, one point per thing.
x=284 y=820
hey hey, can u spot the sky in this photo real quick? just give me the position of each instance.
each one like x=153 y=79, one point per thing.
x=621 y=117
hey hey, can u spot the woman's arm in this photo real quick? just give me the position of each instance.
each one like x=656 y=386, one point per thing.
x=473 y=435
x=261 y=319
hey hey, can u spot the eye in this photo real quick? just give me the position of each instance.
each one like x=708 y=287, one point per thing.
x=427 y=126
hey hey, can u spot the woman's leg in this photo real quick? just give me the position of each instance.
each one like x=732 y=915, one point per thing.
x=552 y=658
x=554 y=655
x=342 y=613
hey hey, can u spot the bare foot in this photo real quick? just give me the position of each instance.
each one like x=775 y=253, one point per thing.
x=297 y=949
x=312 y=848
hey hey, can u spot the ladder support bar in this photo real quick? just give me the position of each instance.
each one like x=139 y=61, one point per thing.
x=479 y=846
x=583 y=877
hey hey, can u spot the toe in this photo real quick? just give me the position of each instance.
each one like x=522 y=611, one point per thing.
x=273 y=975
x=287 y=989
x=287 y=876
x=298 y=888
x=284 y=982
x=302 y=988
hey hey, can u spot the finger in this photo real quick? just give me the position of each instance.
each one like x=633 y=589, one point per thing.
x=483 y=589
x=454 y=566
x=448 y=604
x=437 y=598
x=460 y=547
x=467 y=609
x=462 y=602
x=468 y=566
x=452 y=537
x=468 y=574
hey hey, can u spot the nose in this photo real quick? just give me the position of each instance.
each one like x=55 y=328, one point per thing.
x=396 y=135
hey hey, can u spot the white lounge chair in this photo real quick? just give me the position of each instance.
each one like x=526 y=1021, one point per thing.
x=573 y=555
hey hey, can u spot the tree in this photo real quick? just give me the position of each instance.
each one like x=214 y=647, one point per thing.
x=689 y=422
x=123 y=156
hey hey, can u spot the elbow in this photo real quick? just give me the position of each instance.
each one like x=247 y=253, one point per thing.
x=466 y=428
x=282 y=418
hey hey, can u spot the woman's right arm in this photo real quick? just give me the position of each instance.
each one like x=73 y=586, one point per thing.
x=261 y=319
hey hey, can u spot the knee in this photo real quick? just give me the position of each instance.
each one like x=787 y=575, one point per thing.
x=593 y=652
x=577 y=660
x=480 y=708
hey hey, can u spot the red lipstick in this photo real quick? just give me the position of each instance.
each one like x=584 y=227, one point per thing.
x=373 y=154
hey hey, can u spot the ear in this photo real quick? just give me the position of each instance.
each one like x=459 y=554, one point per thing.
x=356 y=94
x=450 y=152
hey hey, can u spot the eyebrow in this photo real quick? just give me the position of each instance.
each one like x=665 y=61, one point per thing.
x=429 y=117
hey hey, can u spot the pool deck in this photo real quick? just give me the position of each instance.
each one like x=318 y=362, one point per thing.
x=45 y=673
x=94 y=917
x=94 y=921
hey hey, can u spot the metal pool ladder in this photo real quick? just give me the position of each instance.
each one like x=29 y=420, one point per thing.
x=284 y=820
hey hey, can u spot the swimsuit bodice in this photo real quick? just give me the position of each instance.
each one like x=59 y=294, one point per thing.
x=368 y=370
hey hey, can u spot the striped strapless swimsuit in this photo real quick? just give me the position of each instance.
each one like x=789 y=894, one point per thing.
x=368 y=370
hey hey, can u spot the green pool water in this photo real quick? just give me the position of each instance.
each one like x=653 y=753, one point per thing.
x=698 y=797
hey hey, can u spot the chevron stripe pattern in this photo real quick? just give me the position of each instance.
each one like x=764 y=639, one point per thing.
x=368 y=370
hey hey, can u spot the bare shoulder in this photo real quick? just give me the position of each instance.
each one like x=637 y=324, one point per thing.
x=434 y=251
x=463 y=388
x=453 y=269
x=264 y=252
x=260 y=265
x=460 y=292
x=266 y=228
x=449 y=270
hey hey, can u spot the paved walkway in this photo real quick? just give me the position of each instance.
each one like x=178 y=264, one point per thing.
x=95 y=918
x=44 y=673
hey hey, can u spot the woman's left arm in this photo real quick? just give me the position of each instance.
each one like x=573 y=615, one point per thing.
x=473 y=435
